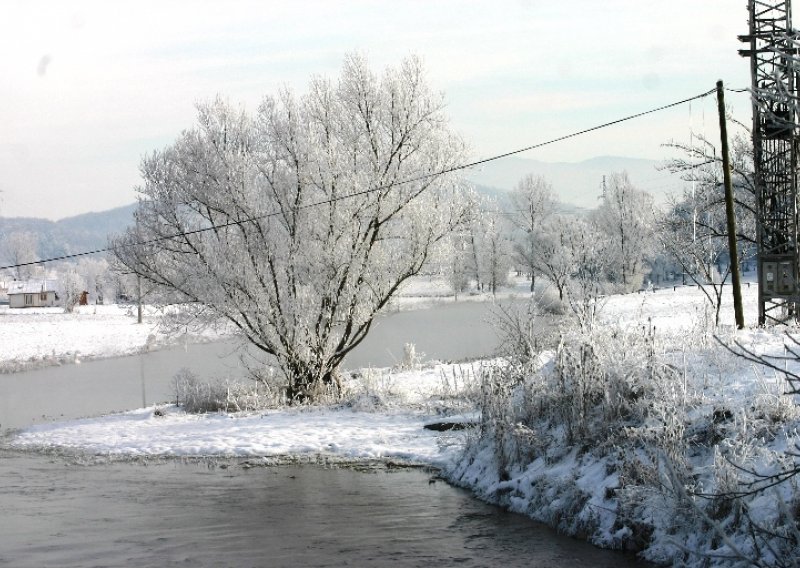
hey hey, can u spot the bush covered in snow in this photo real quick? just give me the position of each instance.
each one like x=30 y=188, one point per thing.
x=197 y=396
x=671 y=446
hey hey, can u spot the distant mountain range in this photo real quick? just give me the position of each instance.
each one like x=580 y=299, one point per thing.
x=578 y=186
x=89 y=231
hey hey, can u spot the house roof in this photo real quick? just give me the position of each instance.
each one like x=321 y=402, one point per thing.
x=32 y=286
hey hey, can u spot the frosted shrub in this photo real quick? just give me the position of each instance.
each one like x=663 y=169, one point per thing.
x=369 y=390
x=660 y=444
x=703 y=325
x=745 y=514
x=521 y=330
x=597 y=389
x=602 y=382
x=72 y=286
x=197 y=396
x=601 y=396
x=772 y=404
x=460 y=383
x=727 y=483
x=499 y=416
x=411 y=359
x=548 y=302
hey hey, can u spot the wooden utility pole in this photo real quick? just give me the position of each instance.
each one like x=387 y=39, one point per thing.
x=139 y=299
x=729 y=211
x=138 y=285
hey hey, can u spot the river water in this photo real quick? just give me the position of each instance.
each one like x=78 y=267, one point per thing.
x=175 y=514
x=446 y=332
x=59 y=512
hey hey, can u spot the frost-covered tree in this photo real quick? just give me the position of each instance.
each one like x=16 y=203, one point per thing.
x=457 y=263
x=72 y=285
x=481 y=250
x=21 y=248
x=121 y=287
x=488 y=240
x=472 y=231
x=96 y=275
x=700 y=166
x=588 y=253
x=460 y=256
x=702 y=253
x=494 y=248
x=571 y=253
x=694 y=232
x=297 y=224
x=532 y=202
x=627 y=217
x=551 y=251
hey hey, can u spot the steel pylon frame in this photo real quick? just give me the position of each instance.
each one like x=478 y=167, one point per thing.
x=774 y=71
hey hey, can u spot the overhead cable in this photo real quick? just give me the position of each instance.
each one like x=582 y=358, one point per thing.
x=374 y=189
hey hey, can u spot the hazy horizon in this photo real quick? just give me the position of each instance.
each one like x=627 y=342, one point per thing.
x=504 y=174
x=91 y=87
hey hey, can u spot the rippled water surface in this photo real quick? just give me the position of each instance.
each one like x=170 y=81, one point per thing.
x=176 y=514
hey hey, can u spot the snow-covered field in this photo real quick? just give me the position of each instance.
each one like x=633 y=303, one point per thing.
x=383 y=413
x=37 y=337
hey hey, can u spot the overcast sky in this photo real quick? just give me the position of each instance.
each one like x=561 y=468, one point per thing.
x=87 y=88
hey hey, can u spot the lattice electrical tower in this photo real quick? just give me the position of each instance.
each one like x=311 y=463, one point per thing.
x=774 y=69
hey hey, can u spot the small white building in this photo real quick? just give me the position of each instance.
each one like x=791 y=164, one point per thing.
x=32 y=293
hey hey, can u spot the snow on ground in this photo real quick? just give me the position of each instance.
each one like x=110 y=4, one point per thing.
x=423 y=291
x=382 y=417
x=36 y=337
x=48 y=334
x=706 y=424
x=677 y=308
x=341 y=433
x=385 y=411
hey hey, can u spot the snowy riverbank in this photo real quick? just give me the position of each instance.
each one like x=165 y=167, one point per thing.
x=715 y=410
x=647 y=433
x=382 y=418
x=40 y=337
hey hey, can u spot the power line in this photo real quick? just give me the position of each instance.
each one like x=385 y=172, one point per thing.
x=378 y=188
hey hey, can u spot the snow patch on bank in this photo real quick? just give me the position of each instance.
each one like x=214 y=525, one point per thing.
x=341 y=433
x=382 y=416
x=40 y=337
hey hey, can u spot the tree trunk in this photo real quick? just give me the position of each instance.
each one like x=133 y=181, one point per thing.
x=305 y=383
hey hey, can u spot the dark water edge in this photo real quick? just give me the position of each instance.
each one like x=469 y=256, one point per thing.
x=58 y=512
